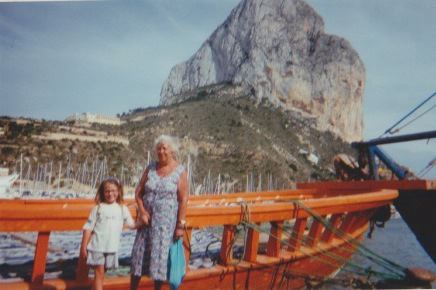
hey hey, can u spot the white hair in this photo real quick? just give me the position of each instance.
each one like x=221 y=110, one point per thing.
x=171 y=141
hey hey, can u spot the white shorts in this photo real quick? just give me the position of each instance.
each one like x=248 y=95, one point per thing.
x=109 y=260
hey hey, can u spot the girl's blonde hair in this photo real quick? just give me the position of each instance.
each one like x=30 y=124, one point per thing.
x=99 y=196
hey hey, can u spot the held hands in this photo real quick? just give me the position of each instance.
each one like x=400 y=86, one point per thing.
x=144 y=218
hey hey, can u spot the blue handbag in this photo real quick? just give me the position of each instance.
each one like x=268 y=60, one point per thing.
x=176 y=264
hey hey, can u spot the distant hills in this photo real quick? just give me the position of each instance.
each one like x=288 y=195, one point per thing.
x=224 y=131
x=268 y=99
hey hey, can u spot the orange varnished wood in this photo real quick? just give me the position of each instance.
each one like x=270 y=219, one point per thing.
x=334 y=222
x=260 y=195
x=39 y=261
x=297 y=234
x=275 y=238
x=226 y=252
x=362 y=218
x=347 y=223
x=369 y=185
x=252 y=245
x=314 y=233
x=222 y=277
x=64 y=215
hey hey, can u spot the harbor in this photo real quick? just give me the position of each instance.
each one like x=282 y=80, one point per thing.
x=225 y=145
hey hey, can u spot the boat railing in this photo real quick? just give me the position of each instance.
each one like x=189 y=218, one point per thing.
x=347 y=213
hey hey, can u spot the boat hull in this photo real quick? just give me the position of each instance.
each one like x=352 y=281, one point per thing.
x=417 y=208
x=296 y=245
x=416 y=203
x=287 y=272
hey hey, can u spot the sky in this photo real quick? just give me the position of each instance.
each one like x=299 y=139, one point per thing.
x=59 y=58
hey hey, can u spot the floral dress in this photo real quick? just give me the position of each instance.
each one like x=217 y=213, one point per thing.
x=151 y=247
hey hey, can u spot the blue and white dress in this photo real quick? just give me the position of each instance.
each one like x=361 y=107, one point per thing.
x=151 y=247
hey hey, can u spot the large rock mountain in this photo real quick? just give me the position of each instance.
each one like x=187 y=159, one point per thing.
x=278 y=50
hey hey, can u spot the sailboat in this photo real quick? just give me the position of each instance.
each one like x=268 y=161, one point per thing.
x=6 y=183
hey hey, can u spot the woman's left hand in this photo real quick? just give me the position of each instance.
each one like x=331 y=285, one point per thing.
x=178 y=233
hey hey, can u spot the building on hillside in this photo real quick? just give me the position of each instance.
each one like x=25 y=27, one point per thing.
x=21 y=121
x=88 y=118
x=4 y=171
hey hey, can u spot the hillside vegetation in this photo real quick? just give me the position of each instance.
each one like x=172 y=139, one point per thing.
x=222 y=131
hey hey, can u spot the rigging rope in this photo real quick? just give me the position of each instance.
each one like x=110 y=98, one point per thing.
x=341 y=261
x=357 y=269
x=407 y=115
x=427 y=169
x=413 y=120
x=310 y=280
x=347 y=238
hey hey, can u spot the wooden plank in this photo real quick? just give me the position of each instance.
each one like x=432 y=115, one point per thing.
x=314 y=233
x=66 y=216
x=201 y=217
x=39 y=261
x=252 y=245
x=215 y=277
x=347 y=223
x=250 y=200
x=75 y=208
x=369 y=185
x=361 y=218
x=297 y=234
x=334 y=221
x=226 y=253
x=275 y=238
x=249 y=195
x=34 y=219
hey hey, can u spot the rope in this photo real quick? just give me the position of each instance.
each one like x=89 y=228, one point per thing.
x=310 y=280
x=407 y=115
x=338 y=232
x=413 y=120
x=187 y=237
x=245 y=216
x=428 y=168
x=346 y=237
x=358 y=269
x=336 y=261
x=366 y=252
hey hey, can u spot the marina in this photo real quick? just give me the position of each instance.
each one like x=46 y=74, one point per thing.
x=251 y=129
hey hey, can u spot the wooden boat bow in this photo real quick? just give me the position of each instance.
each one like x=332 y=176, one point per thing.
x=304 y=251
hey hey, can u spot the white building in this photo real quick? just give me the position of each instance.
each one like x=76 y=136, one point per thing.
x=4 y=171
x=93 y=118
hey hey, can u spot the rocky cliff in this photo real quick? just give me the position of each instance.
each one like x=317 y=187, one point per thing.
x=278 y=50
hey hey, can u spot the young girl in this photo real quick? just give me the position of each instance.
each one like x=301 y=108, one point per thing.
x=102 y=231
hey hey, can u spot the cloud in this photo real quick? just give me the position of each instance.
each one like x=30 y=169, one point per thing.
x=89 y=52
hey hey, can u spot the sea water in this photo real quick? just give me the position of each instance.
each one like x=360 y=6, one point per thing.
x=395 y=242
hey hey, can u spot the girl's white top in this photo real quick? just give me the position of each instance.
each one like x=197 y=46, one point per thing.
x=106 y=222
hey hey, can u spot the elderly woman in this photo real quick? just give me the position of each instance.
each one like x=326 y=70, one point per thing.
x=161 y=195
